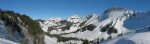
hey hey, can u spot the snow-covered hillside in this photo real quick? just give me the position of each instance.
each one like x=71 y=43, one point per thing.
x=4 y=41
x=134 y=38
x=17 y=28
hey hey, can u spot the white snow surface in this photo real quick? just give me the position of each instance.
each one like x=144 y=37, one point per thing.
x=4 y=41
x=47 y=24
x=72 y=42
x=73 y=28
x=138 y=38
x=49 y=40
x=3 y=31
x=53 y=40
x=92 y=20
x=74 y=19
x=89 y=35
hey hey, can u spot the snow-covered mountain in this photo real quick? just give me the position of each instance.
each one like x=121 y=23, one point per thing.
x=113 y=23
x=116 y=25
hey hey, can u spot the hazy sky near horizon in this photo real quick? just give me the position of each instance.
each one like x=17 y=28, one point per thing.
x=45 y=9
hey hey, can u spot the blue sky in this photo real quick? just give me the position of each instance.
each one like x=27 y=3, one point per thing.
x=45 y=9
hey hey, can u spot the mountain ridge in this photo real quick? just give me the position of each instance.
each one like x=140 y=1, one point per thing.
x=91 y=29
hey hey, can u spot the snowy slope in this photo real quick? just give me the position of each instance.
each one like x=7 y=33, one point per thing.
x=92 y=20
x=136 y=38
x=19 y=28
x=53 y=40
x=4 y=41
x=4 y=34
x=3 y=31
x=49 y=40
x=117 y=17
x=137 y=25
x=89 y=35
x=46 y=24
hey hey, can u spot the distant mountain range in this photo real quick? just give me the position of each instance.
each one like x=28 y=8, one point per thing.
x=116 y=25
